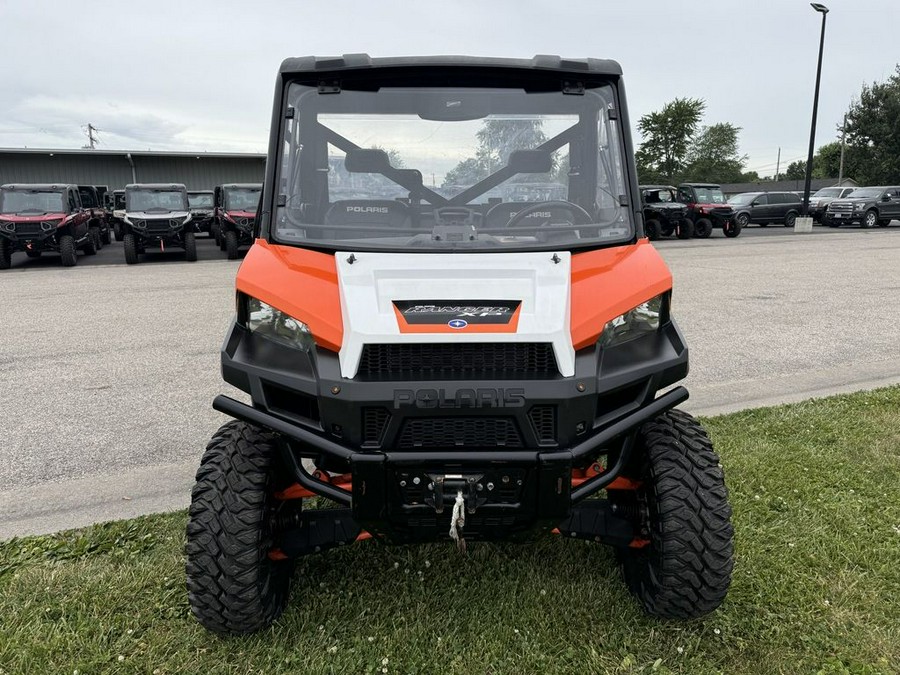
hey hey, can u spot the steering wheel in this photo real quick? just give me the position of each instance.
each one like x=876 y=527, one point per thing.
x=577 y=212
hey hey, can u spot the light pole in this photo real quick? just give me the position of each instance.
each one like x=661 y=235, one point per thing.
x=823 y=10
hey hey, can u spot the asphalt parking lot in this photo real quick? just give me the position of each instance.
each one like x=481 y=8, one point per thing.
x=109 y=370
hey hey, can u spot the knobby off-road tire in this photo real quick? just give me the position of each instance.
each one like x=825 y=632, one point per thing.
x=233 y=586
x=685 y=571
x=685 y=229
x=92 y=242
x=653 y=230
x=5 y=254
x=117 y=232
x=105 y=236
x=98 y=237
x=67 y=254
x=190 y=247
x=731 y=229
x=703 y=228
x=131 y=251
x=231 y=245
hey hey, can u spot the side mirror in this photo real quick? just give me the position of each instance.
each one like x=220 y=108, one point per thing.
x=885 y=198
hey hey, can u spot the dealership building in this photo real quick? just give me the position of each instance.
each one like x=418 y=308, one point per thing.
x=116 y=168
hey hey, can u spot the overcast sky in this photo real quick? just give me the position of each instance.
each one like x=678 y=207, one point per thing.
x=199 y=74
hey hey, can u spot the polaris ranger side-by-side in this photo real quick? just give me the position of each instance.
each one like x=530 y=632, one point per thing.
x=441 y=363
x=236 y=206
x=203 y=210
x=37 y=218
x=664 y=215
x=708 y=209
x=157 y=215
x=93 y=204
x=118 y=214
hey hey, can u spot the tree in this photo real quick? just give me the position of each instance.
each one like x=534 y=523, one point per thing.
x=795 y=171
x=666 y=137
x=497 y=139
x=713 y=155
x=827 y=161
x=873 y=133
x=751 y=177
x=467 y=172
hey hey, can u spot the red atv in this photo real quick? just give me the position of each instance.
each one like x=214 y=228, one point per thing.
x=235 y=215
x=708 y=209
x=38 y=218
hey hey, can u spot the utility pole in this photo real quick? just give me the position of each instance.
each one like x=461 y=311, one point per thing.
x=89 y=131
x=777 y=164
x=843 y=138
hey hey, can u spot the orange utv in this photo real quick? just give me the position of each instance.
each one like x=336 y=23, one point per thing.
x=442 y=360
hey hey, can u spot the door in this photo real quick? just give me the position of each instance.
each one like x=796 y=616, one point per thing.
x=892 y=208
x=759 y=209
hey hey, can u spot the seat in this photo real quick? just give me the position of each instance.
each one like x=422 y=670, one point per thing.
x=374 y=216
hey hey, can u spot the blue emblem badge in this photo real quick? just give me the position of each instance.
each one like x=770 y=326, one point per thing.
x=457 y=323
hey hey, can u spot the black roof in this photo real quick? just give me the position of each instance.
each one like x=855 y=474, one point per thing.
x=156 y=186
x=656 y=187
x=316 y=64
x=199 y=192
x=702 y=184
x=38 y=186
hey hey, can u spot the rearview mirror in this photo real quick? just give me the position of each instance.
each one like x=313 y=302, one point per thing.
x=367 y=160
x=530 y=161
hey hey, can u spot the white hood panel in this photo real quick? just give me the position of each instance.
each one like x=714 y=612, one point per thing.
x=370 y=285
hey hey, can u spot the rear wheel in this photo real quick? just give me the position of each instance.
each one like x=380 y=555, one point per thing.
x=231 y=244
x=703 y=228
x=653 y=229
x=790 y=219
x=884 y=223
x=105 y=236
x=67 y=253
x=5 y=254
x=233 y=585
x=190 y=247
x=92 y=243
x=131 y=251
x=117 y=231
x=685 y=229
x=685 y=570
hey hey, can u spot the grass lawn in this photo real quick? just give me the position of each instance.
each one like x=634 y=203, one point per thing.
x=816 y=493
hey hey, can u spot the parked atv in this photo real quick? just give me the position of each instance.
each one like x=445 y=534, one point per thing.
x=118 y=214
x=91 y=202
x=236 y=206
x=445 y=365
x=37 y=218
x=664 y=215
x=203 y=210
x=157 y=215
x=708 y=209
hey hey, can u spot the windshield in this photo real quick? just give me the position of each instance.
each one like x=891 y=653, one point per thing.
x=440 y=168
x=745 y=198
x=828 y=192
x=147 y=199
x=709 y=195
x=200 y=201
x=31 y=201
x=242 y=199
x=658 y=196
x=865 y=193
x=119 y=201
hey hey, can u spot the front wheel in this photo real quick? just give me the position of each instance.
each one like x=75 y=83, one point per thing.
x=790 y=219
x=685 y=229
x=731 y=229
x=682 y=505
x=870 y=219
x=231 y=244
x=131 y=250
x=742 y=219
x=703 y=228
x=117 y=232
x=105 y=236
x=653 y=229
x=234 y=587
x=5 y=254
x=67 y=253
x=92 y=243
x=190 y=247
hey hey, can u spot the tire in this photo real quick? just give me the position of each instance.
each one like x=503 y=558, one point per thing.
x=233 y=586
x=5 y=254
x=685 y=571
x=884 y=223
x=703 y=228
x=92 y=242
x=117 y=232
x=31 y=253
x=653 y=230
x=105 y=236
x=67 y=253
x=231 y=244
x=732 y=229
x=190 y=247
x=216 y=233
x=743 y=220
x=685 y=229
x=131 y=251
x=870 y=219
x=790 y=219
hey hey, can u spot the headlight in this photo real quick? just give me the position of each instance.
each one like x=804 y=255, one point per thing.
x=643 y=319
x=268 y=322
x=859 y=207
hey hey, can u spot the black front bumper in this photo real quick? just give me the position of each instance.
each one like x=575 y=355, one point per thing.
x=405 y=492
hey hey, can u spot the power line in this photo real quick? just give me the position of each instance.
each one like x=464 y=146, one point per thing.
x=90 y=130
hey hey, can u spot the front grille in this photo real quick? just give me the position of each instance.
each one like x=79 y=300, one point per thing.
x=158 y=225
x=435 y=433
x=840 y=208
x=458 y=360
x=374 y=423
x=543 y=421
x=28 y=228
